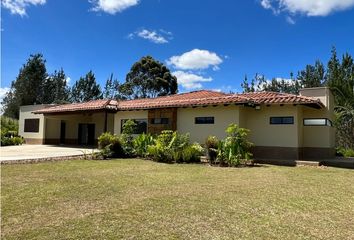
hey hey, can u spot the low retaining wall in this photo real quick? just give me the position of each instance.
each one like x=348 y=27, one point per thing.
x=47 y=159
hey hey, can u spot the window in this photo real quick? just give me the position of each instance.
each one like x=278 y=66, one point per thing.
x=204 y=120
x=281 y=120
x=31 y=125
x=317 y=122
x=141 y=125
x=159 y=121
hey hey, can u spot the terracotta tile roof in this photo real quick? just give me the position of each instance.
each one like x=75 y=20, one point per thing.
x=202 y=97
x=196 y=98
x=280 y=98
x=73 y=107
x=199 y=98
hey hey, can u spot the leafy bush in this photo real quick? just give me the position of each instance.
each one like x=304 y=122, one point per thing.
x=9 y=132
x=235 y=149
x=345 y=152
x=192 y=153
x=9 y=141
x=174 y=147
x=127 y=138
x=211 y=145
x=110 y=145
x=104 y=140
x=141 y=144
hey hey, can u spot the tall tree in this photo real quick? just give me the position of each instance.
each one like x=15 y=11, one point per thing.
x=340 y=78
x=28 y=88
x=248 y=87
x=86 y=89
x=111 y=89
x=148 y=78
x=312 y=75
x=260 y=83
x=56 y=88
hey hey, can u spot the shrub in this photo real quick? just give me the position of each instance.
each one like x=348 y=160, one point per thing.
x=211 y=145
x=9 y=141
x=17 y=140
x=345 y=152
x=171 y=147
x=141 y=144
x=9 y=132
x=235 y=149
x=127 y=138
x=192 y=153
x=161 y=151
x=110 y=145
x=104 y=140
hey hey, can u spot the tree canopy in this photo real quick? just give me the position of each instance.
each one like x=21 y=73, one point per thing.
x=86 y=89
x=148 y=78
x=57 y=90
x=111 y=89
x=28 y=88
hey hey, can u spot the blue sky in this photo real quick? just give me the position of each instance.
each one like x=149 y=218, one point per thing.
x=207 y=44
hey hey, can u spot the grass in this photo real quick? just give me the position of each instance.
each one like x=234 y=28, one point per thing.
x=137 y=199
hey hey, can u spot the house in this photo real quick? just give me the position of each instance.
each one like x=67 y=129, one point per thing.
x=283 y=126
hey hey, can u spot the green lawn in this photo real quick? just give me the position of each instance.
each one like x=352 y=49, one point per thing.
x=137 y=199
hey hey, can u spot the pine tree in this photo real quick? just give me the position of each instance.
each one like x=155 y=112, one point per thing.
x=28 y=88
x=312 y=75
x=111 y=89
x=56 y=89
x=86 y=89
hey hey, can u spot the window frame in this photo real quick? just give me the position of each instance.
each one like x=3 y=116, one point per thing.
x=328 y=122
x=163 y=121
x=197 y=120
x=282 y=122
x=31 y=128
x=136 y=120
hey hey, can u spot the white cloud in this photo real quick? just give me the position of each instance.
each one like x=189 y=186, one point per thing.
x=112 y=6
x=19 y=6
x=68 y=79
x=307 y=7
x=290 y=20
x=153 y=36
x=159 y=36
x=190 y=80
x=3 y=92
x=196 y=59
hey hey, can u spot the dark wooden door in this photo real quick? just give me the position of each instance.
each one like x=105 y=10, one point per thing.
x=90 y=134
x=86 y=134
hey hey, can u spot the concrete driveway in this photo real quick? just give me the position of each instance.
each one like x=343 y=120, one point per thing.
x=29 y=152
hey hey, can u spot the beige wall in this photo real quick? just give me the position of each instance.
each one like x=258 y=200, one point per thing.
x=26 y=113
x=258 y=121
x=52 y=128
x=72 y=122
x=223 y=116
x=143 y=114
x=264 y=134
x=318 y=136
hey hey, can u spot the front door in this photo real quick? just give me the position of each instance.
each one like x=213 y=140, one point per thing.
x=62 y=132
x=90 y=134
x=86 y=134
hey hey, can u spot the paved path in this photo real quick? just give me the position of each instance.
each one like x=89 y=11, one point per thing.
x=29 y=152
